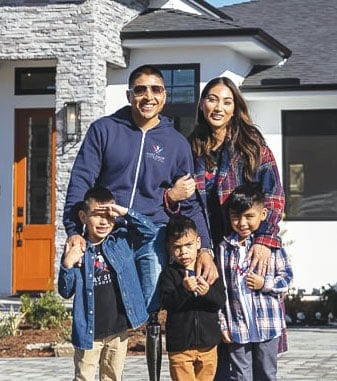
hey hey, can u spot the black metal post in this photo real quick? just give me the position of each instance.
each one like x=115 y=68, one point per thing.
x=153 y=348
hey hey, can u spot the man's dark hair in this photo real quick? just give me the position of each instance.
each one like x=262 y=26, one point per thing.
x=244 y=196
x=144 y=69
x=179 y=226
x=99 y=194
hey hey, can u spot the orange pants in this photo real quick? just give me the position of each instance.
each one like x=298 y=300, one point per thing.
x=193 y=364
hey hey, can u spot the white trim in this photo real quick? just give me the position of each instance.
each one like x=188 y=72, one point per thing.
x=248 y=47
x=184 y=6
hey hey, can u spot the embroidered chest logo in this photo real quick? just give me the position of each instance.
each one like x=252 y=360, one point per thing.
x=156 y=153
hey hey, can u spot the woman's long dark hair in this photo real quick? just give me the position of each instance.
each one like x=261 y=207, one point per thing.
x=241 y=132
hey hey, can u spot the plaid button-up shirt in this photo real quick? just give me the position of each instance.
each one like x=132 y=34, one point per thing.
x=230 y=176
x=266 y=303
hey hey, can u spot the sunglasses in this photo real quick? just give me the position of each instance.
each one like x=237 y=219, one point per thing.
x=140 y=90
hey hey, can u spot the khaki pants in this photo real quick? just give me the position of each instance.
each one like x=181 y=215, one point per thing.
x=109 y=353
x=193 y=364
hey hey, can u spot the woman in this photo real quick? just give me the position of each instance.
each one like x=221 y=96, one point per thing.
x=229 y=151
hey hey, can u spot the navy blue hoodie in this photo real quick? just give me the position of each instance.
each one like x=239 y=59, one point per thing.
x=136 y=166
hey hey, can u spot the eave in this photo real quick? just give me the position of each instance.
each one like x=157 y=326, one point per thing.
x=252 y=43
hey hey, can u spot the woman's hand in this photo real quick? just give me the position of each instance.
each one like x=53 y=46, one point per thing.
x=254 y=281
x=260 y=256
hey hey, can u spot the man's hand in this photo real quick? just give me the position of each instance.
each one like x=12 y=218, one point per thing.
x=254 y=281
x=206 y=268
x=77 y=240
x=260 y=255
x=72 y=256
x=182 y=189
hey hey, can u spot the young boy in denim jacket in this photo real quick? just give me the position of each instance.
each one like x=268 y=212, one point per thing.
x=254 y=318
x=107 y=294
x=192 y=326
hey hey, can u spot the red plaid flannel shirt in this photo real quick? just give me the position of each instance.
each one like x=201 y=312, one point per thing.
x=231 y=175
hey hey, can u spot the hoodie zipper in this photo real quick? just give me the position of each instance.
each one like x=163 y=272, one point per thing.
x=137 y=169
x=196 y=325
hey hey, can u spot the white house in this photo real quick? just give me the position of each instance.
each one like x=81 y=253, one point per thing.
x=296 y=107
x=59 y=57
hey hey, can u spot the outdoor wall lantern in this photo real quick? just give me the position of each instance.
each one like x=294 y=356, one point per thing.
x=72 y=121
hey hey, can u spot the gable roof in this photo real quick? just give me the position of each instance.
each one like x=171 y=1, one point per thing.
x=308 y=28
x=176 y=24
x=194 y=6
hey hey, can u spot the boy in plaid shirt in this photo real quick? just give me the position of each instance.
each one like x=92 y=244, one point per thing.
x=253 y=319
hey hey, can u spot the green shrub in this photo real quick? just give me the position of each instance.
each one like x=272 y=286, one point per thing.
x=46 y=311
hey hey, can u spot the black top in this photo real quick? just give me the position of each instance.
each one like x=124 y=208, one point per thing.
x=192 y=321
x=110 y=315
x=215 y=214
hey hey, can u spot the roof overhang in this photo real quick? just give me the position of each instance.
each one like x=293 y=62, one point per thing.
x=254 y=44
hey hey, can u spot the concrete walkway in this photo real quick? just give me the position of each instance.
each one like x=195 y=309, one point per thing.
x=312 y=355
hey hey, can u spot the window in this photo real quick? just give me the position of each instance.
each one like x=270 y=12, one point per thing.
x=30 y=81
x=182 y=86
x=310 y=164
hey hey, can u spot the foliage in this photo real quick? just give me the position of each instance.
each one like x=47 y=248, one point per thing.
x=46 y=311
x=10 y=322
x=65 y=331
x=322 y=311
x=285 y=242
x=329 y=297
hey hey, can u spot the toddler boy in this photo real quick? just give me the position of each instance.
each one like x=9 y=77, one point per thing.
x=192 y=327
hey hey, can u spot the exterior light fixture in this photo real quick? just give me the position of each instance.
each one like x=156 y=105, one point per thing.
x=72 y=121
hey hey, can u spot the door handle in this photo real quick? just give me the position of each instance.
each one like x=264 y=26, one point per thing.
x=19 y=230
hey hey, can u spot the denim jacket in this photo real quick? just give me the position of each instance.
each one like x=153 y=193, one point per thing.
x=118 y=248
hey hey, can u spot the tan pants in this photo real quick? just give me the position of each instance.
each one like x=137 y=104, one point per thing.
x=109 y=353
x=193 y=364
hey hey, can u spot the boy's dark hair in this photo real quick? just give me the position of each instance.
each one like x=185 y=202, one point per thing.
x=244 y=196
x=144 y=69
x=178 y=226
x=99 y=194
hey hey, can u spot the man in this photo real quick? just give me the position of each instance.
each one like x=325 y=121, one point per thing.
x=138 y=155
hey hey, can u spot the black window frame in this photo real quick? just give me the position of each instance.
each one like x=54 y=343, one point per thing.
x=179 y=110
x=19 y=71
x=298 y=130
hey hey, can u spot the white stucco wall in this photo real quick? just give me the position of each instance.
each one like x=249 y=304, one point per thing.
x=231 y=64
x=314 y=250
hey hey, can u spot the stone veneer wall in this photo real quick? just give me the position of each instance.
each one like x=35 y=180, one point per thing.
x=83 y=37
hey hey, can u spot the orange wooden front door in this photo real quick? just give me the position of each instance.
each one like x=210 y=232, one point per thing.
x=34 y=200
